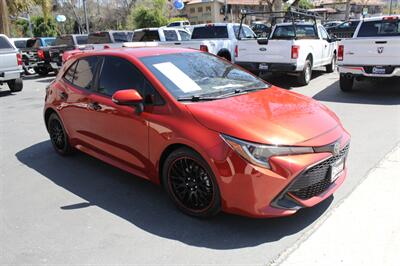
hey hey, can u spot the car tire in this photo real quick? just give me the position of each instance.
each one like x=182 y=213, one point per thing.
x=41 y=71
x=58 y=136
x=332 y=66
x=191 y=184
x=346 y=83
x=15 y=85
x=305 y=75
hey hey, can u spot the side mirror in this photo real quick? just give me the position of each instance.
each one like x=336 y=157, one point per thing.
x=129 y=98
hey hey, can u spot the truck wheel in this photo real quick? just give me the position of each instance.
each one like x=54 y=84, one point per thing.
x=29 y=71
x=41 y=71
x=346 y=84
x=305 y=76
x=332 y=66
x=15 y=85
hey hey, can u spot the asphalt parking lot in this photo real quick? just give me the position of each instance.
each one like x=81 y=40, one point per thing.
x=78 y=210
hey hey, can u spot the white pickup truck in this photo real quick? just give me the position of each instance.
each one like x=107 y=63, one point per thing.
x=163 y=34
x=10 y=64
x=216 y=38
x=295 y=48
x=373 y=52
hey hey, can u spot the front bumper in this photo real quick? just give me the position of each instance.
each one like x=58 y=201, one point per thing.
x=268 y=67
x=294 y=182
x=366 y=71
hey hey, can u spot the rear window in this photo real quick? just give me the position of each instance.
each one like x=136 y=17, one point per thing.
x=5 y=44
x=146 y=36
x=20 y=44
x=99 y=38
x=379 y=28
x=81 y=40
x=64 y=40
x=210 y=32
x=170 y=35
x=49 y=41
x=121 y=37
x=30 y=43
x=302 y=32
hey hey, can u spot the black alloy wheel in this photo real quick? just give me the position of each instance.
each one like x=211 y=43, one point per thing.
x=58 y=136
x=191 y=184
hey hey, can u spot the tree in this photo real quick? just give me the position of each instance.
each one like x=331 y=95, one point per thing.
x=305 y=4
x=148 y=14
x=44 y=26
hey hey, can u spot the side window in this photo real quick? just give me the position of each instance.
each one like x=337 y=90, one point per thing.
x=323 y=33
x=170 y=35
x=69 y=74
x=85 y=71
x=119 y=74
x=184 y=35
x=152 y=97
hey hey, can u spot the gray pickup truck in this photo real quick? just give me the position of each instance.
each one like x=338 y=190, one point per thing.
x=10 y=64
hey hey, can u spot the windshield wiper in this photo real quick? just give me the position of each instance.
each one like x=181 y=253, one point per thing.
x=240 y=91
x=196 y=98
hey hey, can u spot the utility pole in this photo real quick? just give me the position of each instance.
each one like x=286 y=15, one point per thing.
x=86 y=17
x=226 y=10
x=4 y=20
x=347 y=14
x=390 y=7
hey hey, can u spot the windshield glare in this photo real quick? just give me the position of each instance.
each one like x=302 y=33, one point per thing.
x=200 y=74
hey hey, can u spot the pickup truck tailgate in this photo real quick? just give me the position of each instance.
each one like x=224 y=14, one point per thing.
x=276 y=51
x=372 y=51
x=8 y=60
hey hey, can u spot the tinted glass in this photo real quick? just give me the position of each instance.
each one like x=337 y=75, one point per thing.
x=85 y=71
x=119 y=74
x=121 y=37
x=30 y=43
x=49 y=41
x=210 y=32
x=379 y=28
x=287 y=32
x=184 y=35
x=20 y=44
x=69 y=74
x=64 y=40
x=170 y=35
x=5 y=44
x=81 y=40
x=188 y=74
x=174 y=24
x=99 y=38
x=146 y=36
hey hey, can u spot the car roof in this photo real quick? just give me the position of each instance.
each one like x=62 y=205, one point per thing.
x=380 y=18
x=297 y=23
x=138 y=52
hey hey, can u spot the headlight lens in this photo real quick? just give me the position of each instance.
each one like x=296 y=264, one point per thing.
x=259 y=154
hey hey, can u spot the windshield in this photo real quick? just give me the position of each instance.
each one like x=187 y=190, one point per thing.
x=146 y=36
x=379 y=28
x=200 y=74
x=64 y=40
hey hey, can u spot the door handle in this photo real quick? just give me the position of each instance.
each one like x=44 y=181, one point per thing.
x=94 y=106
x=63 y=95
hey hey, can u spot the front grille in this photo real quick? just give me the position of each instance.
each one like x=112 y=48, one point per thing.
x=316 y=179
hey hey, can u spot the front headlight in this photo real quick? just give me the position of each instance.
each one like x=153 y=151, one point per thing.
x=259 y=154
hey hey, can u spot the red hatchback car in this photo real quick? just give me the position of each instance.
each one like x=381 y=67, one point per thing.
x=215 y=136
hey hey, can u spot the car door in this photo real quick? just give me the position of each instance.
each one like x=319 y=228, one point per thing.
x=118 y=132
x=74 y=90
x=327 y=47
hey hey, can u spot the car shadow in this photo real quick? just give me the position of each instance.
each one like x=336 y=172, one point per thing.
x=287 y=81
x=36 y=76
x=146 y=206
x=378 y=92
x=6 y=93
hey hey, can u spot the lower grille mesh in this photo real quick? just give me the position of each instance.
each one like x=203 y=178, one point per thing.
x=316 y=180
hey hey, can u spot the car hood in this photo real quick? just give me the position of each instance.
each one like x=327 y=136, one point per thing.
x=271 y=116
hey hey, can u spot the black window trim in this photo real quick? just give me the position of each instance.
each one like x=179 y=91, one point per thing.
x=98 y=73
